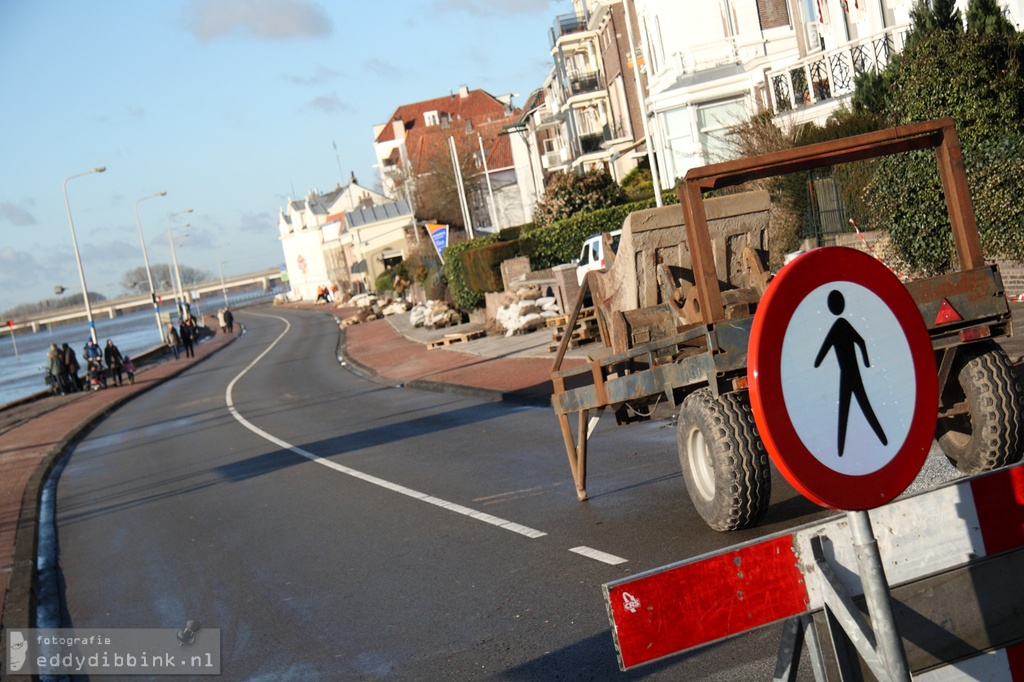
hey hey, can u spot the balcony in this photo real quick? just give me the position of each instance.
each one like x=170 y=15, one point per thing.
x=554 y=159
x=829 y=75
x=591 y=142
x=567 y=24
x=719 y=53
x=584 y=83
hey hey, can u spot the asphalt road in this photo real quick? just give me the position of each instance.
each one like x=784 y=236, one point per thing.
x=336 y=529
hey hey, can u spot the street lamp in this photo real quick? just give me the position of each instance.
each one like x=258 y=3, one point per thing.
x=78 y=257
x=177 y=271
x=145 y=258
x=179 y=295
x=220 y=268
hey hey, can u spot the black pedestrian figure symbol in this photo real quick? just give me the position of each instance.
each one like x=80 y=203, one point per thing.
x=844 y=339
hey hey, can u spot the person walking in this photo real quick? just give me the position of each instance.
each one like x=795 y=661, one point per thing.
x=72 y=367
x=115 y=362
x=186 y=330
x=229 y=321
x=55 y=370
x=173 y=340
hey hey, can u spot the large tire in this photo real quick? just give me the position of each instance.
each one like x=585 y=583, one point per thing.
x=724 y=462
x=991 y=434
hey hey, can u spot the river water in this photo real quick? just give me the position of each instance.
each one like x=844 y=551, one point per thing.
x=23 y=373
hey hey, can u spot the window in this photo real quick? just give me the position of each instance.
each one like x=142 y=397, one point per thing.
x=714 y=121
x=431 y=118
x=679 y=140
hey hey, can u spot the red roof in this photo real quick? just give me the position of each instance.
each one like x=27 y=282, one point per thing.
x=485 y=114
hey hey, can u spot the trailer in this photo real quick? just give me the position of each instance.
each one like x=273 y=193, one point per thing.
x=676 y=306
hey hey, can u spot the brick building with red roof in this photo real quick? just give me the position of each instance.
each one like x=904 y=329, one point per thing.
x=415 y=143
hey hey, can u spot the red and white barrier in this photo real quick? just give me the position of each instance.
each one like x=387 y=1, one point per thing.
x=715 y=596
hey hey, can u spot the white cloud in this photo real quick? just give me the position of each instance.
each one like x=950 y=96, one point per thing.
x=382 y=68
x=320 y=75
x=329 y=104
x=16 y=215
x=260 y=19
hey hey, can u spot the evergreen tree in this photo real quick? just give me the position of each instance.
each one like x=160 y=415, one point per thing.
x=984 y=16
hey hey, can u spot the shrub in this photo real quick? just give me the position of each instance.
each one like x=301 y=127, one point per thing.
x=568 y=194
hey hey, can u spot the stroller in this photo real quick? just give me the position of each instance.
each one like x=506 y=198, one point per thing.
x=95 y=374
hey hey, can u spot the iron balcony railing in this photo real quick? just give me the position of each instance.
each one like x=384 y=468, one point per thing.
x=831 y=74
x=591 y=142
x=583 y=83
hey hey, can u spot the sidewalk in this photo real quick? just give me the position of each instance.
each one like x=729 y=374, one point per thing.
x=34 y=436
x=512 y=369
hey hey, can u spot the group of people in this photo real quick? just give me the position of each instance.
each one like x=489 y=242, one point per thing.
x=226 y=321
x=185 y=336
x=325 y=294
x=62 y=367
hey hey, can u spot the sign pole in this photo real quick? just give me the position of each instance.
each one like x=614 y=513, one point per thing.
x=10 y=325
x=876 y=594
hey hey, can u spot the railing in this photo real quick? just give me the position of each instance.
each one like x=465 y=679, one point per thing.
x=567 y=24
x=583 y=83
x=591 y=142
x=555 y=158
x=828 y=75
x=709 y=55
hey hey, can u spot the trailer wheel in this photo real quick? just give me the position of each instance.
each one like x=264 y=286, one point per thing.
x=991 y=433
x=724 y=463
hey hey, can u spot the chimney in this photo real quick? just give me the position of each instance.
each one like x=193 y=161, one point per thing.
x=463 y=91
x=398 y=127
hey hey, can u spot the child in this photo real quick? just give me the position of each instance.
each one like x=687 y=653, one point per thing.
x=129 y=367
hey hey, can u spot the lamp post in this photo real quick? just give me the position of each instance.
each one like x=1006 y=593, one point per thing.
x=179 y=294
x=145 y=258
x=78 y=257
x=180 y=291
x=220 y=268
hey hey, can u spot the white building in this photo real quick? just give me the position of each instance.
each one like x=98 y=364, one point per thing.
x=713 y=63
x=310 y=231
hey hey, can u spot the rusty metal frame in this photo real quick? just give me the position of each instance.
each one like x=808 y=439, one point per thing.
x=722 y=357
x=939 y=134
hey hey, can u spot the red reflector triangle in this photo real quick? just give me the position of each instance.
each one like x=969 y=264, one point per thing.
x=947 y=314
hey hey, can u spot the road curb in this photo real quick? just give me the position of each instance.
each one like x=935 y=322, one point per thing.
x=476 y=392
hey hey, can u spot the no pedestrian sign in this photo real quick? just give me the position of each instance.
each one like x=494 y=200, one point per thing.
x=842 y=379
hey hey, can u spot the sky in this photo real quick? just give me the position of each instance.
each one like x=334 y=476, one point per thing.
x=230 y=106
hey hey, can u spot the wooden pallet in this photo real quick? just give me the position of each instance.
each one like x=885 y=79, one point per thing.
x=585 y=331
x=450 y=339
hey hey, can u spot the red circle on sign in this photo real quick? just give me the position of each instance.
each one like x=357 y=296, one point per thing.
x=812 y=478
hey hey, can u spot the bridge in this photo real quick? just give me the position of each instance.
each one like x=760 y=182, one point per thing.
x=116 y=307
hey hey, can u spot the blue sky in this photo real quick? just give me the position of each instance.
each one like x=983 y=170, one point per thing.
x=231 y=106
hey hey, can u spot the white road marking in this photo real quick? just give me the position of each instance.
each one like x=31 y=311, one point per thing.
x=597 y=554
x=388 y=485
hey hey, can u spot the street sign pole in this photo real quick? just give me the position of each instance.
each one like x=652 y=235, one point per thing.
x=10 y=325
x=876 y=594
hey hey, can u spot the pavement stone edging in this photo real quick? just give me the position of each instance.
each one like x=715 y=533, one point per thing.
x=19 y=605
x=487 y=394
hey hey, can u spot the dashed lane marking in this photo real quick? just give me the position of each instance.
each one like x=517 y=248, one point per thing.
x=598 y=555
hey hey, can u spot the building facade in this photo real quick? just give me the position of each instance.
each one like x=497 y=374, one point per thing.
x=311 y=231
